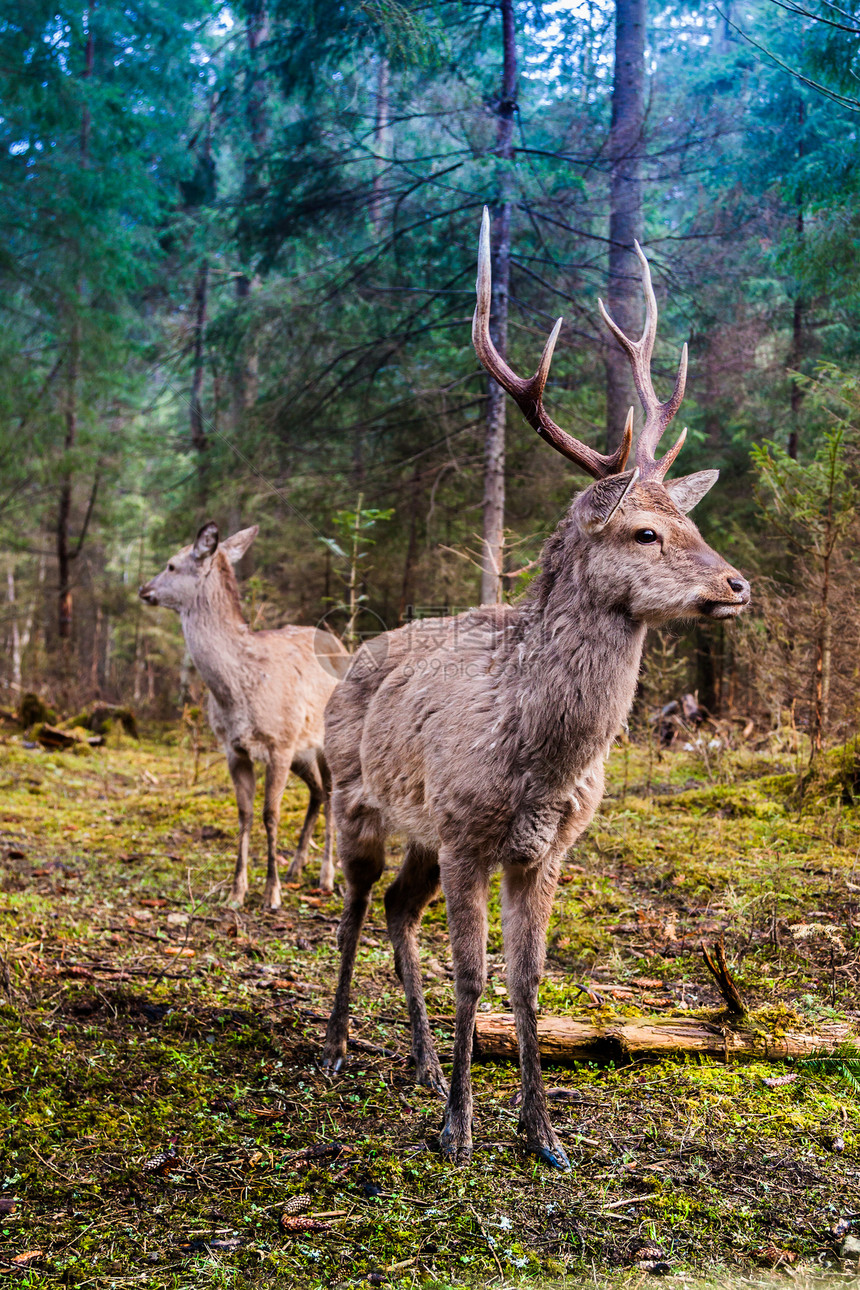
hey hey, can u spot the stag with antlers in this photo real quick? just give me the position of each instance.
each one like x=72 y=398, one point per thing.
x=482 y=738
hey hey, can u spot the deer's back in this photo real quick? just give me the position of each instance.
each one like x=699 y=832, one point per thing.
x=413 y=731
x=281 y=681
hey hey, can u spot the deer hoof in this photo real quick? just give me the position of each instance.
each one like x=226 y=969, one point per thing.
x=429 y=1074
x=236 y=899
x=296 y=866
x=551 y=1153
x=333 y=1059
x=334 y=1049
x=455 y=1143
x=272 y=897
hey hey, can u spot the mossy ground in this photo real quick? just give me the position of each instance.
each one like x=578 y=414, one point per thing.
x=140 y=1016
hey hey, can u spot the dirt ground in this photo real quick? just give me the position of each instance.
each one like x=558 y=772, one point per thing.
x=164 y=1122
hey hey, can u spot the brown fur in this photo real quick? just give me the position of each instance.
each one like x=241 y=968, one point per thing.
x=482 y=739
x=267 y=693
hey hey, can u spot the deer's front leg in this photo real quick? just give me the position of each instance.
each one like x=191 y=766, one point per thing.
x=242 y=773
x=526 y=905
x=277 y=773
x=465 y=886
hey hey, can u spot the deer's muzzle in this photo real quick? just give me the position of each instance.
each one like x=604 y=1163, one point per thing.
x=733 y=604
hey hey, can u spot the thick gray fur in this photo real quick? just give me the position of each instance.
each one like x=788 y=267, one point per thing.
x=481 y=739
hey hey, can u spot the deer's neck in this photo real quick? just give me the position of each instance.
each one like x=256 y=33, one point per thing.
x=216 y=635
x=576 y=664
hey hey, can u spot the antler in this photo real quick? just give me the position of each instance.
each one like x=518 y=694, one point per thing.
x=528 y=394
x=657 y=414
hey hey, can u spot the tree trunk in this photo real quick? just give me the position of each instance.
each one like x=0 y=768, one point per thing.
x=199 y=439
x=492 y=552
x=623 y=293
x=798 y=314
x=64 y=506
x=561 y=1039
x=350 y=635
x=246 y=369
x=380 y=141
x=94 y=660
x=706 y=670
x=411 y=551
x=20 y=634
x=200 y=304
x=794 y=361
x=823 y=657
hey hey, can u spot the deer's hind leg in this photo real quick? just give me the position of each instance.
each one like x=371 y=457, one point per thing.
x=242 y=774
x=277 y=774
x=362 y=857
x=527 y=894
x=327 y=866
x=465 y=883
x=405 y=900
x=307 y=769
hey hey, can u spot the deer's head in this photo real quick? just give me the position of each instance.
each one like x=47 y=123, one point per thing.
x=181 y=583
x=643 y=552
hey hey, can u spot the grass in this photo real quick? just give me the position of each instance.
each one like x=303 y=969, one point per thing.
x=139 y=1018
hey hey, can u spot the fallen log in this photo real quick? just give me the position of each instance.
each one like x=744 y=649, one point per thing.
x=561 y=1039
x=54 y=737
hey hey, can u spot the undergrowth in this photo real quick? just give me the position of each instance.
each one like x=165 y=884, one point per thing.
x=161 y=1102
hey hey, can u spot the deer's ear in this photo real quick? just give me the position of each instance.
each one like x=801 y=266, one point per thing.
x=602 y=499
x=235 y=547
x=206 y=542
x=689 y=490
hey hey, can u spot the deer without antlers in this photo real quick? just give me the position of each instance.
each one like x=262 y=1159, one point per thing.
x=482 y=737
x=267 y=695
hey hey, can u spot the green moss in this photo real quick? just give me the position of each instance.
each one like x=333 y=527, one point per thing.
x=33 y=710
x=111 y=1049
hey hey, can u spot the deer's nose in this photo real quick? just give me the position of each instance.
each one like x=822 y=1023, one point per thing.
x=739 y=585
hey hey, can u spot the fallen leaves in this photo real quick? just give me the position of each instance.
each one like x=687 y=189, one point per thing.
x=774 y=1256
x=29 y=1256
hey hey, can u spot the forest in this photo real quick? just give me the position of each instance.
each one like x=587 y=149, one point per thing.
x=238 y=256
x=238 y=247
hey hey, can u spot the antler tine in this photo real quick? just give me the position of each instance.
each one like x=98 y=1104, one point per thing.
x=665 y=462
x=639 y=352
x=528 y=393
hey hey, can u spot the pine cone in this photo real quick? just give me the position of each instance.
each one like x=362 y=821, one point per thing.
x=297 y=1205
x=297 y=1223
x=163 y=1163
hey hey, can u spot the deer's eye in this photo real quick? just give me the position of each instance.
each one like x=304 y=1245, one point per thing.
x=645 y=536
x=171 y=568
